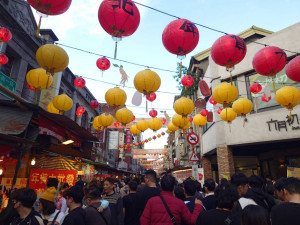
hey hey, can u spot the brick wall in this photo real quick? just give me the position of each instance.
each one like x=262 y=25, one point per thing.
x=225 y=162
x=207 y=167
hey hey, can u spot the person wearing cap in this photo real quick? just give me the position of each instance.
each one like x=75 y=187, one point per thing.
x=47 y=208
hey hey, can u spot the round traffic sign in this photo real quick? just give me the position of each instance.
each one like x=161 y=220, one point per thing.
x=193 y=138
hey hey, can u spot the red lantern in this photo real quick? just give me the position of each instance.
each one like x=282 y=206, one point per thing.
x=153 y=113
x=103 y=63
x=204 y=112
x=154 y=137
x=119 y=18
x=3 y=59
x=133 y=119
x=79 y=82
x=94 y=104
x=228 y=50
x=191 y=119
x=116 y=124
x=151 y=97
x=80 y=110
x=140 y=143
x=219 y=110
x=264 y=99
x=146 y=140
x=5 y=34
x=163 y=120
x=187 y=81
x=30 y=88
x=163 y=133
x=212 y=101
x=293 y=69
x=255 y=88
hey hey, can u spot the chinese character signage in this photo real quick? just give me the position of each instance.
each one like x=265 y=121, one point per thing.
x=287 y=124
x=20 y=182
x=39 y=177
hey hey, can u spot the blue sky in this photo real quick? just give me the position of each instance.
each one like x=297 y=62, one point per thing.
x=79 y=27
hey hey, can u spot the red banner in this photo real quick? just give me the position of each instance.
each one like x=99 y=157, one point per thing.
x=39 y=177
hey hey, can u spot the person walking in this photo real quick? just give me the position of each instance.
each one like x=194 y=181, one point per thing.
x=94 y=217
x=23 y=200
x=130 y=205
x=167 y=209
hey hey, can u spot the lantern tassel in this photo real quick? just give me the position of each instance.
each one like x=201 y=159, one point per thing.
x=230 y=77
x=274 y=84
x=116 y=47
x=180 y=70
x=39 y=27
x=256 y=104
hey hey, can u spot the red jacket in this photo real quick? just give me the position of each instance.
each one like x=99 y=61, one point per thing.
x=156 y=213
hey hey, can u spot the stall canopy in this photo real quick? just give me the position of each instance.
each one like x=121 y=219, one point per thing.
x=55 y=163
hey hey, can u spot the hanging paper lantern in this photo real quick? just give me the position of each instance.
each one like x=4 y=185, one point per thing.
x=187 y=126
x=163 y=133
x=52 y=58
x=119 y=18
x=147 y=81
x=168 y=131
x=96 y=124
x=154 y=137
x=5 y=34
x=153 y=113
x=204 y=112
x=172 y=127
x=225 y=93
x=149 y=139
x=133 y=119
x=219 y=110
x=105 y=120
x=184 y=106
x=228 y=115
x=210 y=117
x=80 y=110
x=52 y=109
x=293 y=69
x=146 y=140
x=200 y=120
x=134 y=130
x=255 y=88
x=154 y=124
x=228 y=50
x=180 y=121
x=94 y=104
x=103 y=63
x=142 y=125
x=140 y=143
x=124 y=116
x=30 y=88
x=116 y=124
x=191 y=119
x=115 y=97
x=242 y=106
x=212 y=101
x=288 y=97
x=3 y=59
x=151 y=97
x=265 y=99
x=39 y=79
x=79 y=82
x=163 y=120
x=62 y=102
x=187 y=81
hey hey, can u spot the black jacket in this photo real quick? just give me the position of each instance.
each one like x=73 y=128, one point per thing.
x=261 y=198
x=76 y=217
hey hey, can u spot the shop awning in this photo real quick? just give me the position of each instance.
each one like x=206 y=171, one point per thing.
x=55 y=163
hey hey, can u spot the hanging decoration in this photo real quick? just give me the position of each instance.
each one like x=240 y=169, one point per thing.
x=115 y=97
x=204 y=112
x=184 y=106
x=254 y=89
x=210 y=117
x=3 y=59
x=116 y=124
x=96 y=124
x=219 y=111
x=180 y=121
x=212 y=101
x=103 y=64
x=5 y=35
x=79 y=82
x=288 y=97
x=228 y=115
x=147 y=82
x=30 y=88
x=137 y=98
x=187 y=81
x=293 y=69
x=187 y=126
x=52 y=109
x=62 y=102
x=163 y=120
x=228 y=51
x=52 y=58
x=94 y=104
x=151 y=97
x=200 y=103
x=172 y=127
x=154 y=124
x=49 y=8
x=225 y=93
x=124 y=76
x=265 y=99
x=269 y=61
x=191 y=119
x=153 y=113
x=180 y=37
x=124 y=116
x=105 y=120
x=204 y=89
x=242 y=106
x=119 y=19
x=80 y=110
x=142 y=125
x=199 y=120
x=134 y=130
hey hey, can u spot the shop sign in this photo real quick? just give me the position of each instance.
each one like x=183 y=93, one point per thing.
x=293 y=172
x=113 y=139
x=20 y=182
x=39 y=177
x=183 y=174
x=290 y=123
x=149 y=151
x=8 y=83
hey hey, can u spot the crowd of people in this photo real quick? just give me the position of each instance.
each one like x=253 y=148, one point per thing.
x=152 y=200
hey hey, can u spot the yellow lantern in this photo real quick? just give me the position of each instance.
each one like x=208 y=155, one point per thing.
x=242 y=106
x=200 y=120
x=124 y=116
x=187 y=126
x=172 y=127
x=142 y=125
x=147 y=81
x=134 y=130
x=52 y=109
x=228 y=115
x=155 y=124
x=180 y=121
x=288 y=97
x=159 y=135
x=105 y=120
x=168 y=131
x=52 y=58
x=39 y=79
x=96 y=125
x=62 y=102
x=225 y=93
x=184 y=106
x=115 y=97
x=149 y=139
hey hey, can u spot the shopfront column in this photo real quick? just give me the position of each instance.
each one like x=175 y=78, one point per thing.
x=207 y=167
x=225 y=162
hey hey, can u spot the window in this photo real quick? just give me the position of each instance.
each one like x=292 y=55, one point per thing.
x=84 y=119
x=7 y=68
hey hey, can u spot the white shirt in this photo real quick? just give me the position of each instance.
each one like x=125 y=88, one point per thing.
x=59 y=220
x=246 y=201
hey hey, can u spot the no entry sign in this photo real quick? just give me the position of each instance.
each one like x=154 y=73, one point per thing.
x=193 y=138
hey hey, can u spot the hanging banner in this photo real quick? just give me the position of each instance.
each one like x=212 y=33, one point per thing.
x=20 y=182
x=149 y=151
x=182 y=174
x=293 y=172
x=39 y=177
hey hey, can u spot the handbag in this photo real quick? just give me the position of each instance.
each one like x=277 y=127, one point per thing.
x=168 y=210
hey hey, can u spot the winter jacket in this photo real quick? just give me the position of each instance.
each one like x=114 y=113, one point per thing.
x=156 y=213
x=261 y=198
